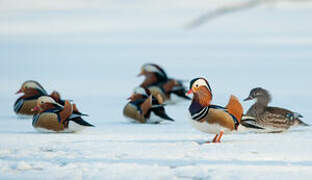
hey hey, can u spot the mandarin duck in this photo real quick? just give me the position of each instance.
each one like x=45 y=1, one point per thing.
x=157 y=81
x=57 y=97
x=267 y=118
x=145 y=108
x=210 y=118
x=51 y=116
x=32 y=91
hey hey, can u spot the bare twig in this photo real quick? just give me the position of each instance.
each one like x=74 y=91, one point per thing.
x=232 y=8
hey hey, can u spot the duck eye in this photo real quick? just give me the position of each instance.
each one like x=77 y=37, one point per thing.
x=41 y=102
x=196 y=85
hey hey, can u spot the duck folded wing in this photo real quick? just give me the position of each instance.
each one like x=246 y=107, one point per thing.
x=169 y=85
x=276 y=117
x=250 y=122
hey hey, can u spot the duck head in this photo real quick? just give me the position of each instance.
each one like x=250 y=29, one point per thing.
x=151 y=68
x=31 y=88
x=261 y=95
x=201 y=91
x=56 y=96
x=139 y=93
x=45 y=103
x=153 y=73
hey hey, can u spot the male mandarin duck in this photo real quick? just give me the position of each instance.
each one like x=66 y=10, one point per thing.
x=53 y=117
x=145 y=108
x=32 y=91
x=212 y=118
x=57 y=97
x=271 y=119
x=157 y=81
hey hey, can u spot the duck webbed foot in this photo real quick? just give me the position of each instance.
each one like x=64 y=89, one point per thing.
x=217 y=138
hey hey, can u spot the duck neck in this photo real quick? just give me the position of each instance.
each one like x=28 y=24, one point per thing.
x=259 y=106
x=200 y=100
x=255 y=110
x=264 y=100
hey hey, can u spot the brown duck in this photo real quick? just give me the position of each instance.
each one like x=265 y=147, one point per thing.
x=53 y=117
x=267 y=118
x=144 y=108
x=210 y=118
x=32 y=91
x=157 y=81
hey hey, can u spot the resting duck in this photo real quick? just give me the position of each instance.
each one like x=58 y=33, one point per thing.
x=57 y=98
x=53 y=117
x=210 y=118
x=144 y=108
x=157 y=81
x=32 y=91
x=271 y=119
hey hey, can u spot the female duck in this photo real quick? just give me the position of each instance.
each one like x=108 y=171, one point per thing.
x=272 y=119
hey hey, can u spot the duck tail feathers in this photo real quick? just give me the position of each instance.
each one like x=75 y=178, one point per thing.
x=82 y=122
x=250 y=122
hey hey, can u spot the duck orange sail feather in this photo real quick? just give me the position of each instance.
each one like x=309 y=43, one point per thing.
x=235 y=108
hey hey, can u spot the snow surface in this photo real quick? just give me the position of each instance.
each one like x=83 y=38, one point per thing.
x=91 y=54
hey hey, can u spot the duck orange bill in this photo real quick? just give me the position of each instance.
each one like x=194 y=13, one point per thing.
x=189 y=92
x=36 y=108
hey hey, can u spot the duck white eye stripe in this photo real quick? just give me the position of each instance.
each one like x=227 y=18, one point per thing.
x=202 y=113
x=151 y=69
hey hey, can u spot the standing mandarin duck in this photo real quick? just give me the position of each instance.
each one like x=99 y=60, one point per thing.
x=53 y=117
x=271 y=119
x=157 y=81
x=210 y=118
x=144 y=108
x=32 y=91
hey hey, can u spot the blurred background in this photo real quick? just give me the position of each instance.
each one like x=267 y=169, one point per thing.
x=92 y=50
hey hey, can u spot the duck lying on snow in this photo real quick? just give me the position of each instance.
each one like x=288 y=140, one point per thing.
x=145 y=108
x=32 y=90
x=53 y=117
x=157 y=81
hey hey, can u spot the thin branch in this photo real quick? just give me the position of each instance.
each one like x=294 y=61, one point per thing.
x=231 y=9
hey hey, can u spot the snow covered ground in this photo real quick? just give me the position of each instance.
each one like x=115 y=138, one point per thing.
x=91 y=51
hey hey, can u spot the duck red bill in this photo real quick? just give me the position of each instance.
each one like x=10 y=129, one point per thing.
x=19 y=91
x=35 y=109
x=189 y=92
